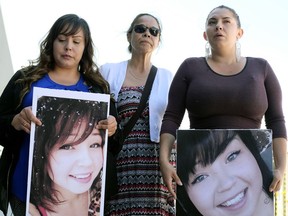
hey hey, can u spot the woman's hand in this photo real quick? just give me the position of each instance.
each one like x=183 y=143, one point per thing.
x=168 y=171
x=279 y=152
x=110 y=123
x=169 y=175
x=22 y=121
x=277 y=181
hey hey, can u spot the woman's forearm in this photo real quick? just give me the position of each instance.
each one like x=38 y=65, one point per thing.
x=280 y=153
x=166 y=143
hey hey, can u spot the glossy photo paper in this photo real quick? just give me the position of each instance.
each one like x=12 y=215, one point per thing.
x=224 y=172
x=67 y=163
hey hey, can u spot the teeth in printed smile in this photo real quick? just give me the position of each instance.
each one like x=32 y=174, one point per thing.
x=233 y=201
x=81 y=176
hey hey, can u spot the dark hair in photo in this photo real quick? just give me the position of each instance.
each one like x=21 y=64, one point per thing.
x=206 y=146
x=59 y=117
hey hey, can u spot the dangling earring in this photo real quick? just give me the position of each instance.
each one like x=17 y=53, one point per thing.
x=207 y=50
x=238 y=51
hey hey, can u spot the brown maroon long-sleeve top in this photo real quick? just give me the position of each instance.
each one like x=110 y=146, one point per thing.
x=215 y=101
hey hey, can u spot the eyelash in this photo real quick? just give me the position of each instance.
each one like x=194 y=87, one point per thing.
x=233 y=156
x=198 y=179
x=69 y=146
x=66 y=147
x=97 y=145
x=212 y=22
x=63 y=40
x=230 y=158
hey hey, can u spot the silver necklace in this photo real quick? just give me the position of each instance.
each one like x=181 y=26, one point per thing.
x=135 y=77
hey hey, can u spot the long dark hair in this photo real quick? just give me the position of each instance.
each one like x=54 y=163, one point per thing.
x=206 y=146
x=59 y=116
x=68 y=24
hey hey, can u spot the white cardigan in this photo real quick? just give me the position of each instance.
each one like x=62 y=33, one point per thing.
x=115 y=74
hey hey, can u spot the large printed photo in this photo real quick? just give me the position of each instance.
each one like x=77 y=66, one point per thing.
x=224 y=172
x=67 y=163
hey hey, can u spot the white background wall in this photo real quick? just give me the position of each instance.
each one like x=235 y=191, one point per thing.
x=264 y=23
x=6 y=69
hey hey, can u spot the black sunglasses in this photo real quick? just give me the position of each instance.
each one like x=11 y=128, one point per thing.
x=142 y=28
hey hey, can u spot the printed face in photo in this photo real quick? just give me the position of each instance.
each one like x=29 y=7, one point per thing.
x=231 y=185
x=73 y=167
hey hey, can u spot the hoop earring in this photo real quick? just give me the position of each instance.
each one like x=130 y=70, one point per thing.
x=238 y=51
x=207 y=50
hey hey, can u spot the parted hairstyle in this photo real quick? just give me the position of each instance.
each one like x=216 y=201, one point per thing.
x=68 y=24
x=59 y=117
x=235 y=15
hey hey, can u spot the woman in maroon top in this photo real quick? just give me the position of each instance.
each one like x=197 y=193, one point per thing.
x=224 y=91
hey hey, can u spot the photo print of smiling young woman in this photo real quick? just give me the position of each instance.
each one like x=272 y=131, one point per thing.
x=68 y=156
x=224 y=172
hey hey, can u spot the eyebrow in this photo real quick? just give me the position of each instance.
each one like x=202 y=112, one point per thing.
x=77 y=36
x=147 y=26
x=227 y=18
x=213 y=18
x=76 y=133
x=74 y=36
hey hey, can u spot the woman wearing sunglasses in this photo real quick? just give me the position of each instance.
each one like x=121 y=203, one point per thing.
x=140 y=185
